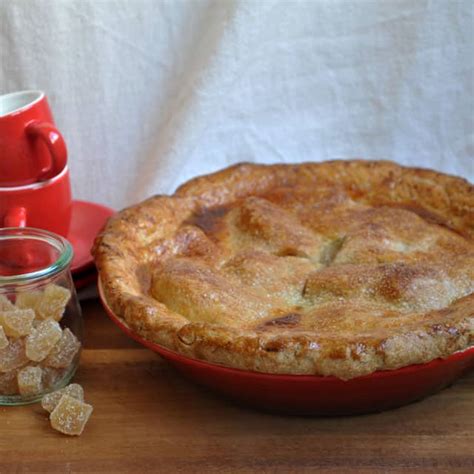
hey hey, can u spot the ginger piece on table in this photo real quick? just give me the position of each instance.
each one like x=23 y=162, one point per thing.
x=17 y=323
x=74 y=390
x=70 y=416
x=53 y=302
x=42 y=339
x=13 y=356
x=3 y=338
x=63 y=353
x=30 y=380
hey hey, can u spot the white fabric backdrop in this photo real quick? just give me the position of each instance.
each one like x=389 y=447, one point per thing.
x=149 y=93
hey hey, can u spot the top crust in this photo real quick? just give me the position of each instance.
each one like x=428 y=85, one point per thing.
x=336 y=268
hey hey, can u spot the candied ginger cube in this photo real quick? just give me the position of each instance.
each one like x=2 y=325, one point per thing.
x=42 y=339
x=30 y=380
x=17 y=323
x=63 y=353
x=53 y=302
x=74 y=390
x=28 y=300
x=70 y=416
x=13 y=356
x=52 y=377
x=6 y=304
x=3 y=338
x=8 y=383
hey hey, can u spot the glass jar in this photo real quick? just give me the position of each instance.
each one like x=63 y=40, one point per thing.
x=40 y=316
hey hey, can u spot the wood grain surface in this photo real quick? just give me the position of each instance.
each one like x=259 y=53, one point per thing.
x=147 y=418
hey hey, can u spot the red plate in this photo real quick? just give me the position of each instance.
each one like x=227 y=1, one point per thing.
x=87 y=220
x=311 y=394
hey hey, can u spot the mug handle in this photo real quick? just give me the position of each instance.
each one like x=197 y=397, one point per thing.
x=15 y=217
x=56 y=146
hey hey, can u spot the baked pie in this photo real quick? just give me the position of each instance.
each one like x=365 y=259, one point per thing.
x=336 y=268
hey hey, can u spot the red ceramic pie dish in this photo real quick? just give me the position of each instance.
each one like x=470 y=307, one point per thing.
x=311 y=394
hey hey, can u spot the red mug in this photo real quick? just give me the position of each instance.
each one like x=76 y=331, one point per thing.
x=44 y=205
x=31 y=147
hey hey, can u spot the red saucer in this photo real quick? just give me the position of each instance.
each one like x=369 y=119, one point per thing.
x=312 y=394
x=87 y=220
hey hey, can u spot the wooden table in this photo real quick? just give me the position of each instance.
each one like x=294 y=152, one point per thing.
x=148 y=419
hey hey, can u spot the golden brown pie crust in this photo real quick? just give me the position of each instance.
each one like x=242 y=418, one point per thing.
x=335 y=268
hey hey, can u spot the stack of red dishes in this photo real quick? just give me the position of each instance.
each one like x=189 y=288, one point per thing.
x=35 y=188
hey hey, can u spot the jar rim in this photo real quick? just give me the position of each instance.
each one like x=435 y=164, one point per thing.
x=54 y=240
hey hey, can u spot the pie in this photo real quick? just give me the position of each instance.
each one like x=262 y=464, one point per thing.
x=337 y=268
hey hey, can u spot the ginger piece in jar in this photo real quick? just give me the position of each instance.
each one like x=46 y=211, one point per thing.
x=30 y=380
x=53 y=302
x=28 y=300
x=13 y=356
x=6 y=304
x=17 y=323
x=3 y=339
x=42 y=339
x=53 y=377
x=63 y=353
x=8 y=383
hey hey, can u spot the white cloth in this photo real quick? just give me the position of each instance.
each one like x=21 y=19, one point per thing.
x=150 y=93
